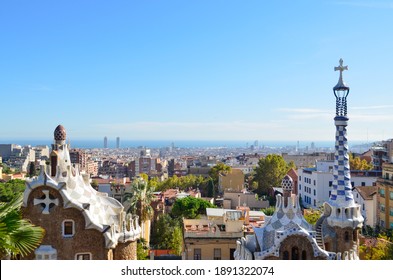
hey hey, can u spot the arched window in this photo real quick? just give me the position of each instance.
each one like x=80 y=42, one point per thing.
x=346 y=236
x=304 y=255
x=53 y=161
x=286 y=255
x=295 y=253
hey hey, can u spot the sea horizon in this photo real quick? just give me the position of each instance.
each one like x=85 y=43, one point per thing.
x=95 y=144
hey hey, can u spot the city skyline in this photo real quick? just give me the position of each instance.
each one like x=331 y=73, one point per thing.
x=198 y=70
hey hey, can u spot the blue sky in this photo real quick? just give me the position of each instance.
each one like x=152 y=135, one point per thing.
x=193 y=70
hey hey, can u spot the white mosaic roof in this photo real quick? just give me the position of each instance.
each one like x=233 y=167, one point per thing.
x=283 y=219
x=101 y=212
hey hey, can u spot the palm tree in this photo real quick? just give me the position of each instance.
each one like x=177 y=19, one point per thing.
x=140 y=204
x=140 y=200
x=17 y=236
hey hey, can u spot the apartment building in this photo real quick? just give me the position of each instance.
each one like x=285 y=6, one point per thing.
x=315 y=184
x=385 y=197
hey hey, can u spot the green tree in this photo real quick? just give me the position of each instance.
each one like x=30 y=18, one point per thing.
x=356 y=163
x=291 y=165
x=388 y=252
x=94 y=184
x=7 y=170
x=17 y=236
x=211 y=189
x=144 y=177
x=182 y=183
x=167 y=234
x=215 y=171
x=142 y=251
x=32 y=170
x=376 y=250
x=154 y=183
x=190 y=207
x=11 y=189
x=269 y=211
x=269 y=173
x=140 y=200
x=312 y=216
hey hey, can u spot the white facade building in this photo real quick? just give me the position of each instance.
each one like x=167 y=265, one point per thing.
x=315 y=184
x=367 y=198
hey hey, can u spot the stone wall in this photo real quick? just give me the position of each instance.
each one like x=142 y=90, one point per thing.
x=84 y=240
x=297 y=245
x=125 y=251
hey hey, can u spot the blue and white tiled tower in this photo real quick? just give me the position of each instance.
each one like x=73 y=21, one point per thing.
x=342 y=218
x=341 y=194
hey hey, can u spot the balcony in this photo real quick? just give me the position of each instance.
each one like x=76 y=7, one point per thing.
x=385 y=181
x=209 y=232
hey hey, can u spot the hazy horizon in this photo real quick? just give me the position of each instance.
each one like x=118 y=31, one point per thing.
x=133 y=143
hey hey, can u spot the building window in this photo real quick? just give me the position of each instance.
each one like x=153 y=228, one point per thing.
x=304 y=255
x=382 y=192
x=391 y=211
x=391 y=225
x=315 y=204
x=300 y=187
x=355 y=235
x=382 y=207
x=197 y=254
x=45 y=252
x=231 y=254
x=83 y=256
x=330 y=183
x=300 y=178
x=346 y=236
x=286 y=255
x=353 y=184
x=68 y=228
x=295 y=253
x=315 y=192
x=314 y=182
x=363 y=184
x=217 y=254
x=391 y=195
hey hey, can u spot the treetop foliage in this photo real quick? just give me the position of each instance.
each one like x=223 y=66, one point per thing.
x=190 y=207
x=356 y=163
x=217 y=169
x=270 y=172
x=10 y=189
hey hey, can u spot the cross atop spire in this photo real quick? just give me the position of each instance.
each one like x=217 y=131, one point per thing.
x=341 y=68
x=341 y=85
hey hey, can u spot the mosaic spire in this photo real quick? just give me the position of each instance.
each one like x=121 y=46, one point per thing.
x=341 y=194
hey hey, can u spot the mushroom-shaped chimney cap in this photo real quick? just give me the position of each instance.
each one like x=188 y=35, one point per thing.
x=60 y=133
x=287 y=183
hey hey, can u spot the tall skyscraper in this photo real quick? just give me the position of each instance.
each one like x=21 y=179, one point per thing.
x=105 y=142
x=117 y=142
